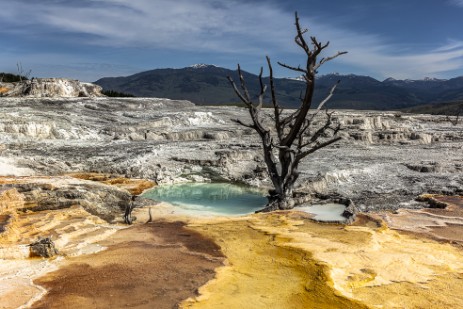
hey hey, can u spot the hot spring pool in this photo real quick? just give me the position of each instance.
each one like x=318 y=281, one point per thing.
x=210 y=198
x=325 y=212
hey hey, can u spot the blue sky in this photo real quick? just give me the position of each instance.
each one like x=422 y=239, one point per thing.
x=90 y=39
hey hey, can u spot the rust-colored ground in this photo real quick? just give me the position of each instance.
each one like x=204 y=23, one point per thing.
x=442 y=224
x=277 y=260
x=154 y=265
x=4 y=90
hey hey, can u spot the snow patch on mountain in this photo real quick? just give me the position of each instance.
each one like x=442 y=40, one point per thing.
x=203 y=66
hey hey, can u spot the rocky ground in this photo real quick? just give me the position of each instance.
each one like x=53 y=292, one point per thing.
x=385 y=160
x=70 y=167
x=50 y=87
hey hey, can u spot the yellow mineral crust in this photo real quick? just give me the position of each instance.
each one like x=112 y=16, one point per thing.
x=73 y=230
x=285 y=261
x=10 y=201
x=135 y=186
x=4 y=90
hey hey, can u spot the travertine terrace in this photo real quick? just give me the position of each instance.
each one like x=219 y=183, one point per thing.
x=70 y=166
x=385 y=160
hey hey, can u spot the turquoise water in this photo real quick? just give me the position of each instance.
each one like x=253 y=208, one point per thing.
x=212 y=198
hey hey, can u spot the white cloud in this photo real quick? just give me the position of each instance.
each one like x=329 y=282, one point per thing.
x=451 y=45
x=181 y=24
x=386 y=59
x=434 y=63
x=233 y=26
x=382 y=58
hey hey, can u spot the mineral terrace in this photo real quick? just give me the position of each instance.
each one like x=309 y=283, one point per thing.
x=70 y=166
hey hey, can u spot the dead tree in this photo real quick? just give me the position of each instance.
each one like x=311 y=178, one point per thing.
x=295 y=135
x=128 y=210
x=455 y=119
x=21 y=73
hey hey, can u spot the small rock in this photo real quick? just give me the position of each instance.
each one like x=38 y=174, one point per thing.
x=43 y=247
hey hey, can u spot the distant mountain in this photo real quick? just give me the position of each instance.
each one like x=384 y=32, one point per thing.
x=208 y=84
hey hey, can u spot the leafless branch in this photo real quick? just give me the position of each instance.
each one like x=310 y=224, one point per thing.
x=325 y=60
x=276 y=107
x=297 y=133
x=328 y=97
x=238 y=121
x=21 y=72
x=298 y=69
x=455 y=120
x=318 y=146
x=263 y=88
x=300 y=40
x=322 y=130
x=243 y=85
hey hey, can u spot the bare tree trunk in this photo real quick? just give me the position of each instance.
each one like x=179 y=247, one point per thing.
x=128 y=210
x=456 y=118
x=293 y=136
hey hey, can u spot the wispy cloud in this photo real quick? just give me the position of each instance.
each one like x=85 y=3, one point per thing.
x=383 y=58
x=387 y=59
x=181 y=24
x=456 y=2
x=226 y=27
x=451 y=45
x=413 y=65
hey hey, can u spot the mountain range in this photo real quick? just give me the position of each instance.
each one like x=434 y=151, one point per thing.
x=208 y=85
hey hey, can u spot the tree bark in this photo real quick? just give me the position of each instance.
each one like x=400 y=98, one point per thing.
x=128 y=210
x=293 y=136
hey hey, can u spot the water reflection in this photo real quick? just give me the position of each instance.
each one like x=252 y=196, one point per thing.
x=220 y=198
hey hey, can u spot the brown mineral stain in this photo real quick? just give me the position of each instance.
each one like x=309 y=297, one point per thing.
x=277 y=260
x=154 y=265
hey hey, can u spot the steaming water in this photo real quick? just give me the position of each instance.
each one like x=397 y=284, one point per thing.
x=210 y=198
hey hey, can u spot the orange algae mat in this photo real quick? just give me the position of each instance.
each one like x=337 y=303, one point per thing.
x=278 y=260
x=154 y=265
x=285 y=261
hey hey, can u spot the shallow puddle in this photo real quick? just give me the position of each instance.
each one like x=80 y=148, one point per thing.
x=209 y=198
x=325 y=212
